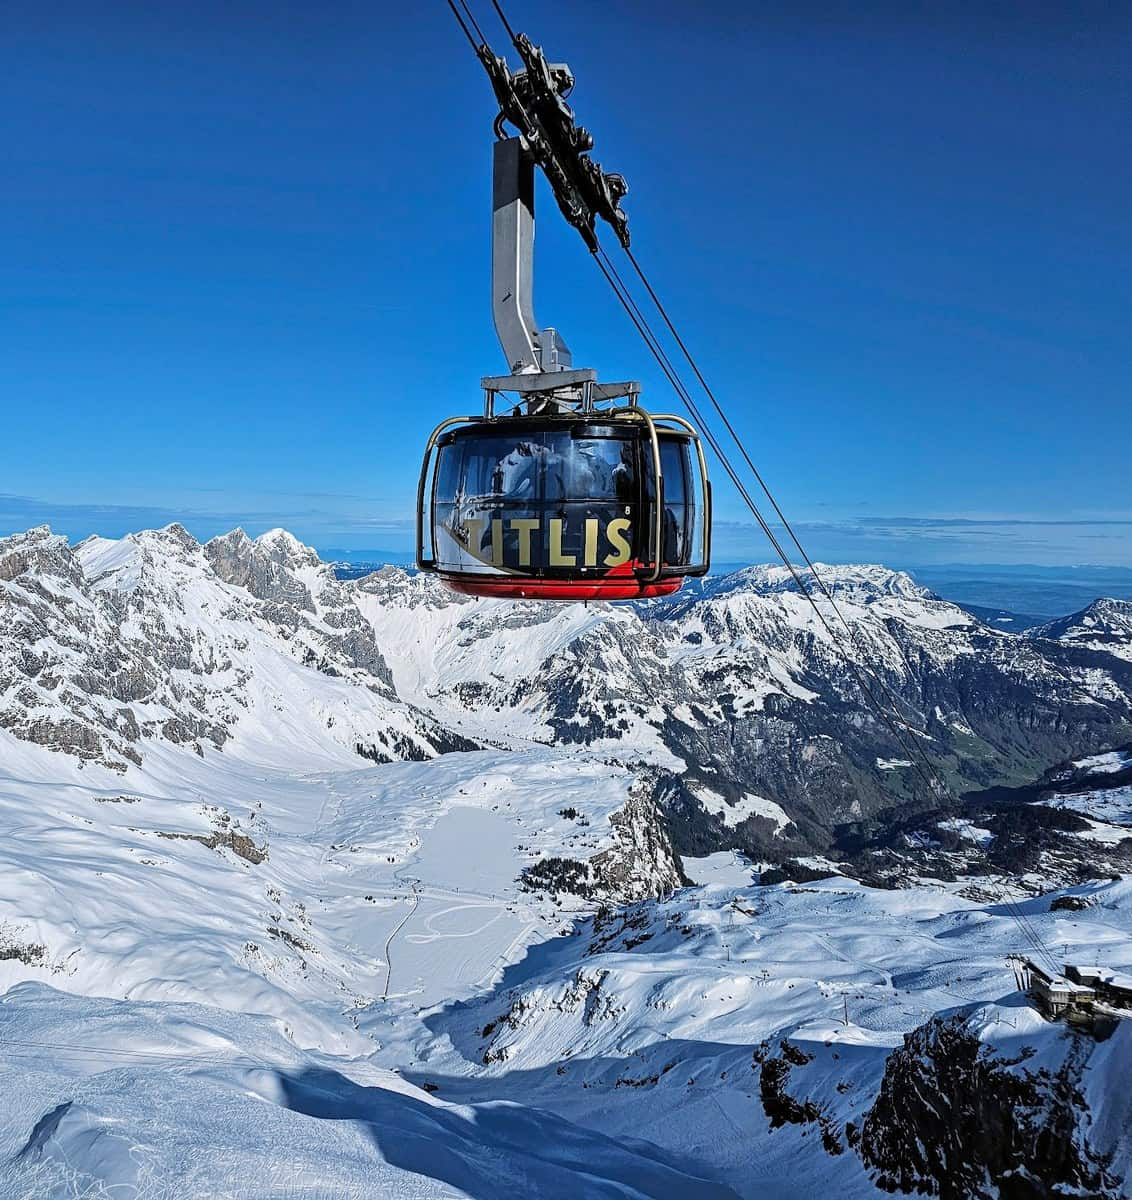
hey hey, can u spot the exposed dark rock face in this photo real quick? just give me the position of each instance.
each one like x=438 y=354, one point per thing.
x=641 y=863
x=226 y=835
x=1071 y=903
x=780 y=1106
x=956 y=1120
x=265 y=569
x=297 y=590
x=1028 y=831
x=737 y=680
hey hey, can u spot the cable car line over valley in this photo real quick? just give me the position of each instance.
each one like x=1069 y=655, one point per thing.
x=575 y=491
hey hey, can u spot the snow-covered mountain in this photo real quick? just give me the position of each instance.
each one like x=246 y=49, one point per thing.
x=734 y=686
x=743 y=692
x=112 y=647
x=313 y=887
x=1105 y=626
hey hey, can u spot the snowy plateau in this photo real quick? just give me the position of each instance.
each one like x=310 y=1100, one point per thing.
x=345 y=889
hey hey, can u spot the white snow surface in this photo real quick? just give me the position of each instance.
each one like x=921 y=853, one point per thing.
x=244 y=962
x=197 y=994
x=725 y=868
x=735 y=812
x=1105 y=764
x=149 y=1042
x=1109 y=808
x=116 y=880
x=967 y=830
x=655 y=1030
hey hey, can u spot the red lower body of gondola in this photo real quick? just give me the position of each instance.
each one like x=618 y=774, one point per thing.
x=621 y=583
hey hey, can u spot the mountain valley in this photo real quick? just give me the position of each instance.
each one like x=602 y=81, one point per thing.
x=450 y=897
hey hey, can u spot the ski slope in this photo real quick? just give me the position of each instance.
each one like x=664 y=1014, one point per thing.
x=360 y=1000
x=300 y=894
x=650 y=1018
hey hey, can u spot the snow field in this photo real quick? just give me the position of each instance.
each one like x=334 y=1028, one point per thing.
x=399 y=879
x=616 y=1065
x=256 y=1119
x=657 y=1022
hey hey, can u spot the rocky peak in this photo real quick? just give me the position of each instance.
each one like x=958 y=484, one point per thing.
x=150 y=566
x=1105 y=625
x=174 y=535
x=39 y=552
x=1107 y=609
x=284 y=548
x=235 y=542
x=264 y=567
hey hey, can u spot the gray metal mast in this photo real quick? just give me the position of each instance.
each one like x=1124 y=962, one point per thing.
x=539 y=361
x=512 y=258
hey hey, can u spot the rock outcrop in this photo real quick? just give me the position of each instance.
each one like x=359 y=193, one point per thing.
x=957 y=1119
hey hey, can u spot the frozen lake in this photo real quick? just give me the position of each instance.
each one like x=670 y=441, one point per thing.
x=463 y=924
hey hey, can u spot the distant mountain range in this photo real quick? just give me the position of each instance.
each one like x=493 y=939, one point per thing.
x=732 y=690
x=1014 y=597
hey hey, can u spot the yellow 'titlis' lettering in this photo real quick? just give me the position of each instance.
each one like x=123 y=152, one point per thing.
x=524 y=527
x=557 y=558
x=617 y=533
x=592 y=527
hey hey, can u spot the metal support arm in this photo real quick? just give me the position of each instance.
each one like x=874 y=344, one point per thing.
x=512 y=254
x=525 y=346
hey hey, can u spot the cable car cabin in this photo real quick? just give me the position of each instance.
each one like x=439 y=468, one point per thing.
x=595 y=506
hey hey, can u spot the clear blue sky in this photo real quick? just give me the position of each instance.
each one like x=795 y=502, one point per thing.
x=245 y=247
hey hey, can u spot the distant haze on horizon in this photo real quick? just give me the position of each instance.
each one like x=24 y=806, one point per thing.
x=1033 y=590
x=246 y=255
x=895 y=542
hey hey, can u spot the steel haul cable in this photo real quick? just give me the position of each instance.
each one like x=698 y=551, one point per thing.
x=617 y=284
x=936 y=784
x=475 y=23
x=503 y=17
x=630 y=306
x=463 y=25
